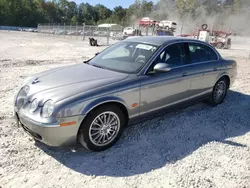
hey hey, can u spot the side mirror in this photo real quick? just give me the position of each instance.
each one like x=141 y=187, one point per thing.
x=162 y=67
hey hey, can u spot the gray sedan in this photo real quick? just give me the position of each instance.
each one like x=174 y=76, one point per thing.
x=92 y=102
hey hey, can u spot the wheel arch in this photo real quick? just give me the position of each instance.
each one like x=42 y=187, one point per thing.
x=103 y=102
x=224 y=75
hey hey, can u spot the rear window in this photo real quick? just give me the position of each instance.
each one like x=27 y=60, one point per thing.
x=200 y=53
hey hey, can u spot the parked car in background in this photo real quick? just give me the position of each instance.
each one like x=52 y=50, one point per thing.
x=128 y=31
x=163 y=32
x=169 y=25
x=100 y=33
x=91 y=103
x=146 y=21
x=60 y=32
x=117 y=35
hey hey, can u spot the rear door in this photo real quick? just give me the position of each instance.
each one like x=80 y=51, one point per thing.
x=203 y=68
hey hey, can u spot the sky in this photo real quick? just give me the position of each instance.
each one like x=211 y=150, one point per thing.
x=109 y=3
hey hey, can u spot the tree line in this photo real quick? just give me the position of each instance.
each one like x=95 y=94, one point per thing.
x=31 y=12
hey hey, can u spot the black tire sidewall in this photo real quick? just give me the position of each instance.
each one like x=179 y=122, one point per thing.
x=83 y=135
x=212 y=101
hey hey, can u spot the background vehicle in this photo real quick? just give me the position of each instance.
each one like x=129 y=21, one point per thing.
x=163 y=32
x=146 y=21
x=168 y=25
x=128 y=81
x=128 y=31
x=217 y=38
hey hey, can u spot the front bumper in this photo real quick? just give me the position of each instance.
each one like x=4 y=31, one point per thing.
x=52 y=135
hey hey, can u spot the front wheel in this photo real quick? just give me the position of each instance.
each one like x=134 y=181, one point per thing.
x=219 y=92
x=102 y=128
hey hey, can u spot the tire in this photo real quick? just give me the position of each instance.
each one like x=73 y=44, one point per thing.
x=215 y=98
x=220 y=45
x=204 y=26
x=93 y=124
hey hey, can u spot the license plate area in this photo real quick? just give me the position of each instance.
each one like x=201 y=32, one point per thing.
x=31 y=133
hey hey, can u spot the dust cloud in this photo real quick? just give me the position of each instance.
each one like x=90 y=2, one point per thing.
x=237 y=22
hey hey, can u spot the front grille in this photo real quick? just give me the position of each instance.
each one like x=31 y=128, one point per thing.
x=33 y=134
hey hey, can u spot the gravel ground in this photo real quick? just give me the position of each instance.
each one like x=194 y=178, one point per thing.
x=199 y=146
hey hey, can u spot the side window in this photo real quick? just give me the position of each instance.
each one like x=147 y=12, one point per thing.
x=200 y=53
x=173 y=55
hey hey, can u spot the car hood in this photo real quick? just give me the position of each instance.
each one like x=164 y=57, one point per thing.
x=63 y=82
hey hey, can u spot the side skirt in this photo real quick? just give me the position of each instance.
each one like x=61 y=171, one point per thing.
x=168 y=109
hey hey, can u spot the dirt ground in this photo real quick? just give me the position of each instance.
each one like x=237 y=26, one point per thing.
x=200 y=146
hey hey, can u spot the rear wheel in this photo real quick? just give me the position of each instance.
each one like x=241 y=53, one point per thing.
x=219 y=92
x=102 y=128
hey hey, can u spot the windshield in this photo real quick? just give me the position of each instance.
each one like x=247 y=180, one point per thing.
x=128 y=57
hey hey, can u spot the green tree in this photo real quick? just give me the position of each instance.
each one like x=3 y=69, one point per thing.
x=103 y=12
x=187 y=7
x=146 y=8
x=118 y=15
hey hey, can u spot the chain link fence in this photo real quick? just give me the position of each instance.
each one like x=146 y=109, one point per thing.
x=60 y=29
x=104 y=35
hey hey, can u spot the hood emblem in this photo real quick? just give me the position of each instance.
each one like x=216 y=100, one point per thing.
x=35 y=81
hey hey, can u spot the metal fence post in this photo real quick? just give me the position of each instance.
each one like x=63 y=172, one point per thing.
x=49 y=29
x=64 y=30
x=70 y=31
x=181 y=28
x=108 y=34
x=38 y=29
x=76 y=30
x=54 y=29
x=58 y=29
x=83 y=30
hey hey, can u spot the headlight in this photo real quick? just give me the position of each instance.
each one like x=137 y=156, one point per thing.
x=26 y=89
x=48 y=108
x=33 y=105
x=22 y=97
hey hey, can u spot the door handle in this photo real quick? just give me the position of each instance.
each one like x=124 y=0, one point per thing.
x=184 y=74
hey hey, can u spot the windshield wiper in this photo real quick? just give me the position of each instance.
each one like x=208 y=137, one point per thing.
x=87 y=61
x=97 y=66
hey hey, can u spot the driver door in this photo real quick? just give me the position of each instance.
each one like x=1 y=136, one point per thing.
x=162 y=89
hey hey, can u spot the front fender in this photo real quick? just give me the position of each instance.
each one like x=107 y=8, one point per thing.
x=84 y=107
x=101 y=100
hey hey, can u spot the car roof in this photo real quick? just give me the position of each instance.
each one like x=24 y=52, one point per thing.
x=159 y=40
